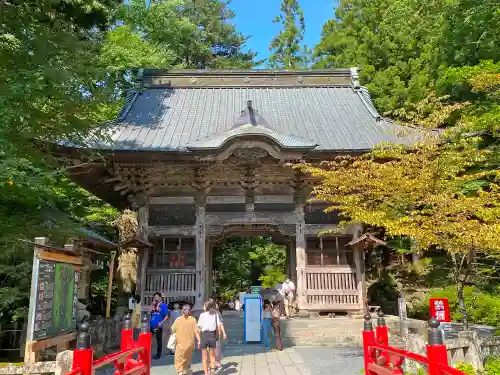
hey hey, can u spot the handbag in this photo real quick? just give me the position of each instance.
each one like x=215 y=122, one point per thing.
x=172 y=341
x=218 y=351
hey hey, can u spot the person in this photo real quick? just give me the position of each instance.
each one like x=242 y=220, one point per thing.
x=231 y=304
x=266 y=324
x=136 y=318
x=287 y=291
x=209 y=324
x=159 y=315
x=220 y=332
x=185 y=330
x=275 y=321
x=174 y=314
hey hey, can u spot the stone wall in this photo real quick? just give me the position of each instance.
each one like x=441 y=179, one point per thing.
x=466 y=348
x=105 y=334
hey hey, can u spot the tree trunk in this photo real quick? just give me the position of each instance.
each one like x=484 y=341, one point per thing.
x=461 y=304
x=463 y=268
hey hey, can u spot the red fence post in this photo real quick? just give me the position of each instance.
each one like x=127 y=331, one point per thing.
x=381 y=331
x=145 y=338
x=368 y=339
x=83 y=355
x=436 y=350
x=127 y=333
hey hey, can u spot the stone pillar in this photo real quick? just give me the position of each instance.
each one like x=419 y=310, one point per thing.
x=201 y=266
x=300 y=253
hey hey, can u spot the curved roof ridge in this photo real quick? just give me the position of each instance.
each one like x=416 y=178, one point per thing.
x=366 y=98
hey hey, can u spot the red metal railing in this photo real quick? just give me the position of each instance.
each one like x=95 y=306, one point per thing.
x=382 y=359
x=124 y=363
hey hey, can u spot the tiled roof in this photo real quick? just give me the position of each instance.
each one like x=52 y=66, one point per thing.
x=333 y=117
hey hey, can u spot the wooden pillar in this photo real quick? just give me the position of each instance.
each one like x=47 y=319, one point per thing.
x=208 y=259
x=300 y=254
x=142 y=254
x=359 y=259
x=292 y=256
x=201 y=266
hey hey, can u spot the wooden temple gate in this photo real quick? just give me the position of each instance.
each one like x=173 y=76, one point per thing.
x=326 y=270
x=204 y=154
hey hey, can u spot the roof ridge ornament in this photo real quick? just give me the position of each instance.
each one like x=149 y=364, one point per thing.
x=355 y=78
x=250 y=117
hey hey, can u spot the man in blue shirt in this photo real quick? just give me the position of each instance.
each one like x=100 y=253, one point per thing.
x=159 y=315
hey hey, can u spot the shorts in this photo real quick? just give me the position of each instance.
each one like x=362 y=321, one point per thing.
x=208 y=339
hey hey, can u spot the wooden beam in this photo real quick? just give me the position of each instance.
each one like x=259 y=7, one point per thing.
x=53 y=341
x=107 y=180
x=120 y=187
x=57 y=257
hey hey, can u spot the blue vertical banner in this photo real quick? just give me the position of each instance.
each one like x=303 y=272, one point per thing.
x=252 y=319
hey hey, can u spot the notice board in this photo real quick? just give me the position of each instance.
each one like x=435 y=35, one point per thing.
x=56 y=299
x=253 y=319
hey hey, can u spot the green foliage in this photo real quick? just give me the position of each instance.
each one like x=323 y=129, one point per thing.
x=286 y=49
x=242 y=262
x=99 y=291
x=403 y=46
x=466 y=368
x=51 y=90
x=181 y=33
x=492 y=366
x=482 y=307
x=271 y=277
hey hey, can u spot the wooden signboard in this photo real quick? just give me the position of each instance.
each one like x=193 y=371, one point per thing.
x=53 y=307
x=56 y=301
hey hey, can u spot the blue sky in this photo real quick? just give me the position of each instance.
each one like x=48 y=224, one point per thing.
x=254 y=17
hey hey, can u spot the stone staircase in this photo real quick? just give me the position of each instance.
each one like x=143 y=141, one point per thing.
x=329 y=332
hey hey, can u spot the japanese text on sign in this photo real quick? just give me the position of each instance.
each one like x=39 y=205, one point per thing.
x=439 y=309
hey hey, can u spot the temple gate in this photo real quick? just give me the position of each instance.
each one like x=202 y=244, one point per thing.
x=206 y=154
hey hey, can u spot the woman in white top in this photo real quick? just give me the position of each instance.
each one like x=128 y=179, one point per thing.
x=209 y=323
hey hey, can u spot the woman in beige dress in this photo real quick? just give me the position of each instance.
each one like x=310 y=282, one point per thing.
x=185 y=330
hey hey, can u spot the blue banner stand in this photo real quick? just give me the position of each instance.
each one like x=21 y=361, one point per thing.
x=252 y=318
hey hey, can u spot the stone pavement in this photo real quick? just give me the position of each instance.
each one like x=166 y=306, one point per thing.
x=254 y=360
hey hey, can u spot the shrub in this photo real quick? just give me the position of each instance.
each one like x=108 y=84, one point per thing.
x=466 y=368
x=492 y=366
x=483 y=308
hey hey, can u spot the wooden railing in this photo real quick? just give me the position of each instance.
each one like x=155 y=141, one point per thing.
x=123 y=361
x=382 y=359
x=172 y=284
x=331 y=287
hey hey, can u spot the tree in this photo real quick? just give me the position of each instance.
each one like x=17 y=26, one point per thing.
x=286 y=49
x=50 y=91
x=403 y=46
x=188 y=34
x=242 y=261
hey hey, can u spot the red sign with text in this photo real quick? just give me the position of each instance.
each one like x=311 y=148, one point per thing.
x=440 y=309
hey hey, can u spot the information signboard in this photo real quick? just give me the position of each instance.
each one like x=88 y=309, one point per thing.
x=440 y=309
x=252 y=319
x=56 y=299
x=254 y=290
